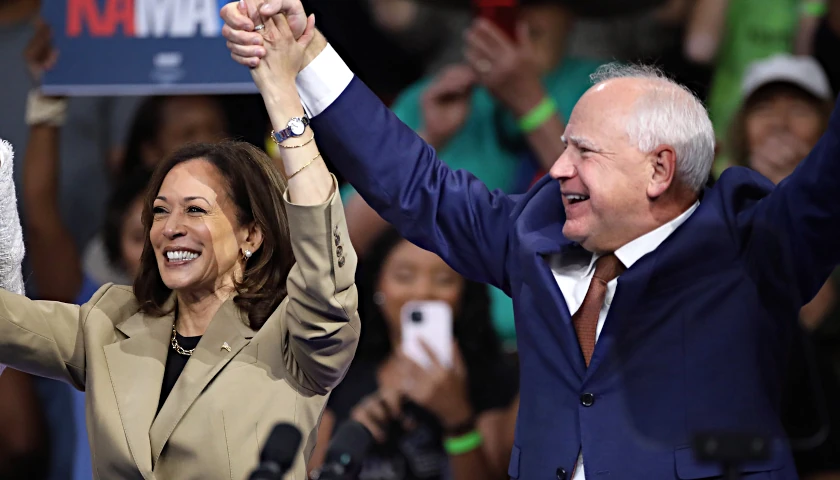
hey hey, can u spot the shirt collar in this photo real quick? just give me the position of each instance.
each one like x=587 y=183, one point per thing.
x=631 y=252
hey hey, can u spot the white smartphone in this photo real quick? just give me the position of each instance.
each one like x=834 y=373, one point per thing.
x=431 y=322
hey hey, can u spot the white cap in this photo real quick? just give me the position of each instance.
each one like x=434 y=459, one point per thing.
x=802 y=71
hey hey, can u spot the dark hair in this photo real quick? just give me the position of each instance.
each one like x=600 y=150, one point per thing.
x=256 y=188
x=738 y=144
x=145 y=128
x=473 y=328
x=129 y=188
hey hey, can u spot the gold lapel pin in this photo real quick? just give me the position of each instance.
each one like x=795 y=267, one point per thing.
x=225 y=346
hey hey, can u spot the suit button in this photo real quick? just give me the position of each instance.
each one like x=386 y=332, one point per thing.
x=339 y=250
x=587 y=399
x=561 y=474
x=337 y=238
x=340 y=262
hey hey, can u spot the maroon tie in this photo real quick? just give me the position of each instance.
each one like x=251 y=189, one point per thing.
x=607 y=268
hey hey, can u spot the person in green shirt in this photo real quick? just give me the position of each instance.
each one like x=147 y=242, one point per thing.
x=733 y=34
x=499 y=115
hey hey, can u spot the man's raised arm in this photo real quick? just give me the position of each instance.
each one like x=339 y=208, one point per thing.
x=447 y=212
x=801 y=218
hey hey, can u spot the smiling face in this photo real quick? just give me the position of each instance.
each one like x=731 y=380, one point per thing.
x=604 y=178
x=411 y=273
x=788 y=115
x=195 y=233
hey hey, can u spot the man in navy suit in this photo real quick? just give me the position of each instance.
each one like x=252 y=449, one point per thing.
x=691 y=293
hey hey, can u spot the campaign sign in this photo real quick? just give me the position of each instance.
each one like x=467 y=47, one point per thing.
x=141 y=47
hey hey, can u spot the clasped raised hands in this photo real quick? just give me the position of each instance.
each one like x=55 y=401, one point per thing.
x=271 y=37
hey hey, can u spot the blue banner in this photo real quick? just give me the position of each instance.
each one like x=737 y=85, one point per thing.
x=141 y=47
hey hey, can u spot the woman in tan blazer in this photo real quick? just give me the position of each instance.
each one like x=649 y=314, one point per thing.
x=243 y=314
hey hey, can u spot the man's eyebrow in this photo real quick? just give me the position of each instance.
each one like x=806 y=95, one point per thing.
x=579 y=141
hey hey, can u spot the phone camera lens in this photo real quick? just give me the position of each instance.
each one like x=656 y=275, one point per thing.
x=416 y=317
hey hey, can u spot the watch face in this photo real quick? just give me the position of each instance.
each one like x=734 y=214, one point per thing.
x=297 y=126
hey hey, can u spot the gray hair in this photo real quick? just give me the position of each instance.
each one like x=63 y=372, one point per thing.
x=668 y=114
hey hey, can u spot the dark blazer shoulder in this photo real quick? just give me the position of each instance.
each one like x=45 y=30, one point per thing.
x=734 y=197
x=739 y=189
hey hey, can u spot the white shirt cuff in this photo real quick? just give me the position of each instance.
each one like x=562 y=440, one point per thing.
x=322 y=81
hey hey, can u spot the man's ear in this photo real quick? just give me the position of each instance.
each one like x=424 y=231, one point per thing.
x=664 y=170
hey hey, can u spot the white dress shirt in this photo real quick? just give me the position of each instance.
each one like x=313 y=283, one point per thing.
x=326 y=77
x=574 y=273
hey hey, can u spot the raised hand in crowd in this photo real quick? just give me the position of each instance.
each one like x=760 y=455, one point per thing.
x=378 y=411
x=437 y=388
x=446 y=104
x=56 y=261
x=512 y=70
x=40 y=53
x=508 y=68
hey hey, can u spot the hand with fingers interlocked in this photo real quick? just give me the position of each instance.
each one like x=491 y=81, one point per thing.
x=281 y=51
x=245 y=29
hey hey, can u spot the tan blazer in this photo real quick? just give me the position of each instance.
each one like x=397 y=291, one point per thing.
x=217 y=417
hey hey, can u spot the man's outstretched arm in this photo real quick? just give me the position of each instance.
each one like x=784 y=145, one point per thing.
x=398 y=174
x=801 y=219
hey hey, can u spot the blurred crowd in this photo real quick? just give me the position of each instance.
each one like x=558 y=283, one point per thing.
x=768 y=71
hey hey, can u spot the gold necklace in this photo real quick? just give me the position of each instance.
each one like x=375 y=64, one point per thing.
x=178 y=348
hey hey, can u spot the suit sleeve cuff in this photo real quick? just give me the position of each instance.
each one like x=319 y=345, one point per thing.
x=322 y=81
x=322 y=228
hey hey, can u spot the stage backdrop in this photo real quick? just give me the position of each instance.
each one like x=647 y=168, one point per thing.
x=140 y=47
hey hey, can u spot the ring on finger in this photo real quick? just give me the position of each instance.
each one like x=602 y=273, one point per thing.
x=259 y=27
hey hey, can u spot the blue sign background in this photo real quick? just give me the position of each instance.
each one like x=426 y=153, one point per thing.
x=120 y=65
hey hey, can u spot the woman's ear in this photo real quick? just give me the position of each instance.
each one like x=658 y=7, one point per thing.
x=254 y=238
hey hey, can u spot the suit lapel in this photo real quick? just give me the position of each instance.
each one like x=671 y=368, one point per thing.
x=227 y=327
x=545 y=242
x=136 y=367
x=631 y=287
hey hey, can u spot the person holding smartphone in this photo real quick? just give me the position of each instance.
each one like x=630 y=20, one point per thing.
x=435 y=422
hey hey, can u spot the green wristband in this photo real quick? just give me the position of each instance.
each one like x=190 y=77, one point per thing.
x=538 y=115
x=463 y=444
x=814 y=8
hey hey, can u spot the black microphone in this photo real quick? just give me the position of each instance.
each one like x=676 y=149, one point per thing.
x=347 y=450
x=279 y=453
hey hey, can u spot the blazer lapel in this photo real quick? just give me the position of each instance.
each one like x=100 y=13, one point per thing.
x=228 y=329
x=136 y=367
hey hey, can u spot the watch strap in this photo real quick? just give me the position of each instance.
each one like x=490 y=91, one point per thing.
x=287 y=133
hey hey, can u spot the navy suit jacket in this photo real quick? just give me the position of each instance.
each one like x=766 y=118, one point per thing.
x=696 y=336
